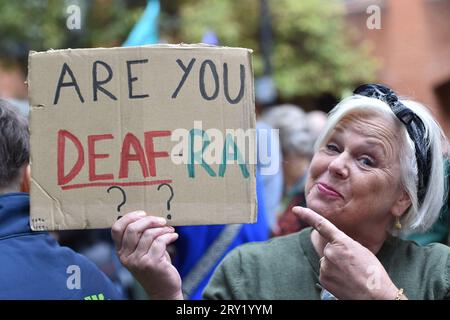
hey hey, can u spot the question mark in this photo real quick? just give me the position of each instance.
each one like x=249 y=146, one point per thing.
x=124 y=198
x=171 y=196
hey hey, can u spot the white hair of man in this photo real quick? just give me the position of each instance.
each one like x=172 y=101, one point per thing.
x=417 y=218
x=295 y=134
x=316 y=121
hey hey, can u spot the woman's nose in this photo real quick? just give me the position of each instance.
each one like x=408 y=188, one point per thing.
x=339 y=166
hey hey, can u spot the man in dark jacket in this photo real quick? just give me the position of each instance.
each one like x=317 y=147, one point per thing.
x=32 y=264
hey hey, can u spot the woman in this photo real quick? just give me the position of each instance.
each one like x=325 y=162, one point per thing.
x=377 y=171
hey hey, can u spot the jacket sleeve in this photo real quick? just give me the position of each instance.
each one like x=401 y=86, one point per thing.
x=224 y=284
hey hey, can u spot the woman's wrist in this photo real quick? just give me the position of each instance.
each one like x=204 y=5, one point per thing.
x=391 y=292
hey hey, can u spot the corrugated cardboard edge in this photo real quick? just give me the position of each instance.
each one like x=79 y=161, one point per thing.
x=252 y=118
x=180 y=46
x=36 y=224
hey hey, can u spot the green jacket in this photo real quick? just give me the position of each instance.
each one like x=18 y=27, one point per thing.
x=437 y=233
x=440 y=230
x=288 y=268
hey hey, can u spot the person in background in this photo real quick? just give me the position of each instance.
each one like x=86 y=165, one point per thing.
x=316 y=120
x=298 y=133
x=13 y=71
x=98 y=247
x=269 y=168
x=33 y=265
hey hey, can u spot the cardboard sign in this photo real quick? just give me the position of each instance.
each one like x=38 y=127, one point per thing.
x=152 y=128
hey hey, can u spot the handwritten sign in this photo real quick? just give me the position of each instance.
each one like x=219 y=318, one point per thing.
x=168 y=129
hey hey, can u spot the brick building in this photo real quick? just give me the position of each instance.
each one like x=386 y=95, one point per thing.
x=412 y=46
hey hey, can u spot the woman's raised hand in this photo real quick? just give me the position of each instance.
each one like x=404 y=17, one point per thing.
x=141 y=244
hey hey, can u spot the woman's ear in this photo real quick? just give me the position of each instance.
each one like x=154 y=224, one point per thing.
x=401 y=205
x=25 y=181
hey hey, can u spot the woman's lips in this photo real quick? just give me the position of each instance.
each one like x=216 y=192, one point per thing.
x=327 y=190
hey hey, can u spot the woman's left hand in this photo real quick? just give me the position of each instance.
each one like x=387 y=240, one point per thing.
x=347 y=269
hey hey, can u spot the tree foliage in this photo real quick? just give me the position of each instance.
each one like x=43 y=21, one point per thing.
x=312 y=50
x=41 y=24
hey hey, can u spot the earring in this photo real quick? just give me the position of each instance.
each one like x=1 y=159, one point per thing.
x=397 y=224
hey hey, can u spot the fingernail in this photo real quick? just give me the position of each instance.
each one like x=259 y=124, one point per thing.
x=297 y=209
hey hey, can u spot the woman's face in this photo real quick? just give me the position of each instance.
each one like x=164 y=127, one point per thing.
x=354 y=177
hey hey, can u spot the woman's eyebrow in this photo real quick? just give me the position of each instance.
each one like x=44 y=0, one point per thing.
x=372 y=139
x=377 y=145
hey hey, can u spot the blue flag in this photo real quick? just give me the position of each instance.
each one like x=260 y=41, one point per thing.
x=146 y=29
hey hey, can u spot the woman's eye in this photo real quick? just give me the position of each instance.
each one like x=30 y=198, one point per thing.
x=332 y=147
x=366 y=161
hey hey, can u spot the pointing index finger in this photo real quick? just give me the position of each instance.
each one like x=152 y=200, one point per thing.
x=325 y=228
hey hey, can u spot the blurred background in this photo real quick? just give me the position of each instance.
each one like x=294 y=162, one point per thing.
x=307 y=53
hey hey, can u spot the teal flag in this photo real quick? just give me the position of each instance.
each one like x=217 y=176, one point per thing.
x=146 y=29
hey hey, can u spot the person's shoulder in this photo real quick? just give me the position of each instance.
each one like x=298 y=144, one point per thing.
x=437 y=250
x=94 y=283
x=51 y=271
x=434 y=248
x=427 y=265
x=433 y=254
